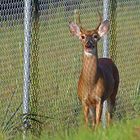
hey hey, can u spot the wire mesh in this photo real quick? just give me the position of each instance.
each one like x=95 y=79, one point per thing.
x=126 y=55
x=11 y=71
x=56 y=61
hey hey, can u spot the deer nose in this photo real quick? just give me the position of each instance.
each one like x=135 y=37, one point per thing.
x=90 y=44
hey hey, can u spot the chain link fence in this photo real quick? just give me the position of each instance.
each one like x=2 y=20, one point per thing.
x=56 y=61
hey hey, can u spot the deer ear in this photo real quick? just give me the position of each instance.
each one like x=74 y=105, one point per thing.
x=103 y=28
x=74 y=29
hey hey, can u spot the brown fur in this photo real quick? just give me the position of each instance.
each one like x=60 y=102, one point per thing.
x=95 y=87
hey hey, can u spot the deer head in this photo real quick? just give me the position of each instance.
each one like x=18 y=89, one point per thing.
x=89 y=38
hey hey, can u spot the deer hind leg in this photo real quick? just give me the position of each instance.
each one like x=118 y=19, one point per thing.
x=111 y=102
x=112 y=99
x=109 y=112
x=110 y=107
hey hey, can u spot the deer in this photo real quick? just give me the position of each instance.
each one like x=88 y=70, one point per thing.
x=99 y=77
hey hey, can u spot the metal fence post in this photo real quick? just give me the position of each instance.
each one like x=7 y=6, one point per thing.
x=105 y=53
x=27 y=43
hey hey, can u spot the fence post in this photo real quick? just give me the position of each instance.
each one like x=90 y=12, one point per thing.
x=27 y=43
x=105 y=53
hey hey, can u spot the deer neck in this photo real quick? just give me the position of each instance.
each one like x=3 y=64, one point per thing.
x=90 y=65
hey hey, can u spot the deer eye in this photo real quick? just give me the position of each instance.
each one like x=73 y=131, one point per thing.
x=83 y=37
x=95 y=37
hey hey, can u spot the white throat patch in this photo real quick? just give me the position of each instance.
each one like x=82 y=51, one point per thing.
x=88 y=53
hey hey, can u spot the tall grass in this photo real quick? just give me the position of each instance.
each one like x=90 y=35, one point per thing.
x=123 y=130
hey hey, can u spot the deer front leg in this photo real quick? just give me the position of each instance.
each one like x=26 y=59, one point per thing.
x=98 y=112
x=93 y=116
x=93 y=121
x=86 y=112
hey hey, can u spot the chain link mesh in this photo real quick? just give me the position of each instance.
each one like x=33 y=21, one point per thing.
x=56 y=61
x=11 y=65
x=127 y=58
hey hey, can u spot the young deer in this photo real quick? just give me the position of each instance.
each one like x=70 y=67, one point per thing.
x=99 y=77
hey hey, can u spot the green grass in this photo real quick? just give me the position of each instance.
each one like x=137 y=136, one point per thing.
x=123 y=130
x=128 y=130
